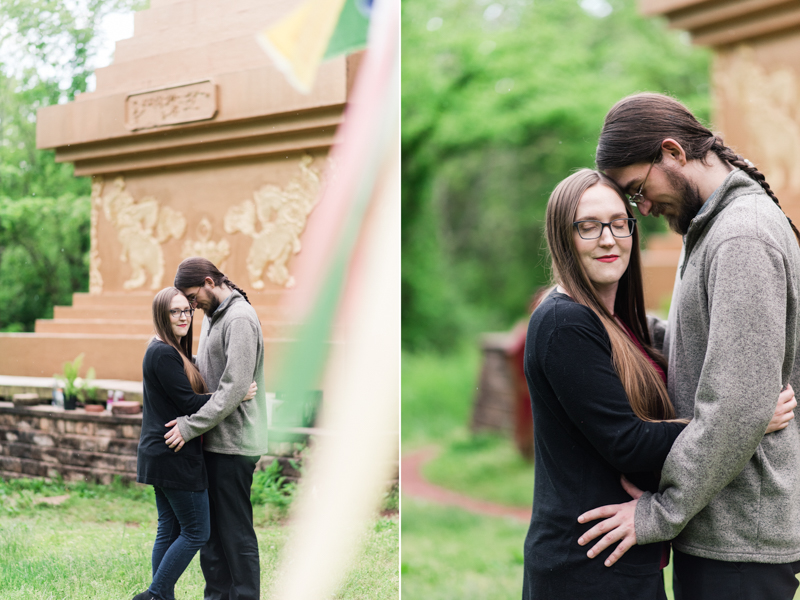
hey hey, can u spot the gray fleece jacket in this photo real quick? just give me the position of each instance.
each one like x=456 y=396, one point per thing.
x=727 y=491
x=230 y=356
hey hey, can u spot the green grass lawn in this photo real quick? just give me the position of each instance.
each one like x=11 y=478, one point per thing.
x=446 y=552
x=437 y=395
x=449 y=553
x=486 y=467
x=97 y=545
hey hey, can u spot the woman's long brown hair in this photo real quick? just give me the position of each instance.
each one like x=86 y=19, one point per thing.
x=163 y=327
x=646 y=391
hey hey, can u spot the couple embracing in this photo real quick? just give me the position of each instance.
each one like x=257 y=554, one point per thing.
x=649 y=432
x=203 y=430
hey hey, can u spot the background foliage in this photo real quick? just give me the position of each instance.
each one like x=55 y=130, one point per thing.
x=500 y=101
x=47 y=56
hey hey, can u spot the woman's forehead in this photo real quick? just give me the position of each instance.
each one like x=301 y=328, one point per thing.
x=179 y=301
x=600 y=200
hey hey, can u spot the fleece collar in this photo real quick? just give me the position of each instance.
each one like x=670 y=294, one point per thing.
x=736 y=184
x=224 y=306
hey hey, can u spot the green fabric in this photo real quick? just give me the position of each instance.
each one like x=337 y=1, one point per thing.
x=350 y=33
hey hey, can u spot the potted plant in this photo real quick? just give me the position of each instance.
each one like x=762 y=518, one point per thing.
x=87 y=392
x=74 y=386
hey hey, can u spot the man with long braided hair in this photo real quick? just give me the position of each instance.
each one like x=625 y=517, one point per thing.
x=230 y=356
x=729 y=497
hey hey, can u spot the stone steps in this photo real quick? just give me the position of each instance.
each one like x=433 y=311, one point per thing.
x=113 y=356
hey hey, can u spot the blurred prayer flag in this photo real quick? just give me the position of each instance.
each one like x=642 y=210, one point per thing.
x=317 y=30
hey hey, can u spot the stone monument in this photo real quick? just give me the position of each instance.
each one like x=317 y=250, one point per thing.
x=756 y=98
x=197 y=146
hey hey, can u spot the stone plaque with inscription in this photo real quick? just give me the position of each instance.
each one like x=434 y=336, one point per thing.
x=171 y=106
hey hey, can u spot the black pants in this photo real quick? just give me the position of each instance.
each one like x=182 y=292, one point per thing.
x=698 y=578
x=230 y=557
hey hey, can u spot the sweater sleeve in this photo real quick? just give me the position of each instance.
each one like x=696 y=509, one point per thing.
x=738 y=388
x=657 y=329
x=241 y=343
x=172 y=377
x=579 y=368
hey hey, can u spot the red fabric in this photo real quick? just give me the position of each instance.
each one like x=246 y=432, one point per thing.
x=523 y=415
x=658 y=369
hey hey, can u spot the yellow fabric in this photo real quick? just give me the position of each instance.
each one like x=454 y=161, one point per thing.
x=298 y=42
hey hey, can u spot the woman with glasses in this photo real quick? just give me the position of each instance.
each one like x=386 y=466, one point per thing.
x=600 y=402
x=173 y=387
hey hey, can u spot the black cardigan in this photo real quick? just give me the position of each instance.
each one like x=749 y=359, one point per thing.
x=586 y=436
x=167 y=395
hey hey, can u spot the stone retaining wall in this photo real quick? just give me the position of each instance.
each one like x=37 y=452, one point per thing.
x=42 y=441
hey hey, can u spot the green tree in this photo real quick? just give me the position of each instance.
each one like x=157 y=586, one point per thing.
x=501 y=101
x=47 y=53
x=44 y=253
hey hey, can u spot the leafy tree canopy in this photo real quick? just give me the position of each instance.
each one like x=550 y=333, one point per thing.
x=47 y=54
x=500 y=101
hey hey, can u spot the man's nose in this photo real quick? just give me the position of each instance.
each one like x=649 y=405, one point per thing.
x=644 y=207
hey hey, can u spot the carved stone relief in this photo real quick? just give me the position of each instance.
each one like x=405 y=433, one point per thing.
x=282 y=213
x=141 y=229
x=765 y=102
x=216 y=252
x=95 y=277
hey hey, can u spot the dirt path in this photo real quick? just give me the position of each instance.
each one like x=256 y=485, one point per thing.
x=413 y=484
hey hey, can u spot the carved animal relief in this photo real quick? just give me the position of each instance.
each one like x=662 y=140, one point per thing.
x=95 y=277
x=282 y=213
x=216 y=252
x=141 y=229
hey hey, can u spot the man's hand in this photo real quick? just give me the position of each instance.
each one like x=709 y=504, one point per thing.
x=784 y=411
x=251 y=393
x=173 y=436
x=618 y=523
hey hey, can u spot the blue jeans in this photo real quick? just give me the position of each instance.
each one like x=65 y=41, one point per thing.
x=183 y=528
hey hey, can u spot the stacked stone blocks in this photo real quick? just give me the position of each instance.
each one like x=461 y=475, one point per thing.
x=41 y=441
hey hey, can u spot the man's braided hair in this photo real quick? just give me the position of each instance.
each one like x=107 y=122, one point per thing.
x=635 y=127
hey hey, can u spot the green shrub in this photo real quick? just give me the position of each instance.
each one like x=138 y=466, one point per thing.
x=272 y=488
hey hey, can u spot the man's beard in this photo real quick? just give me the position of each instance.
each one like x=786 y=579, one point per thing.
x=691 y=203
x=213 y=304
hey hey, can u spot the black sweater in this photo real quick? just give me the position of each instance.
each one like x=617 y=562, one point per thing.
x=586 y=436
x=167 y=395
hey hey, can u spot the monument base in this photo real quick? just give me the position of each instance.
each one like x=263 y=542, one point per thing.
x=112 y=330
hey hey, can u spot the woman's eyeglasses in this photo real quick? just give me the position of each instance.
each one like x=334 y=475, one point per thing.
x=591 y=230
x=177 y=313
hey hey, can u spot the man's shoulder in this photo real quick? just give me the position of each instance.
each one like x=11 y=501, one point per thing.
x=755 y=216
x=239 y=314
x=241 y=309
